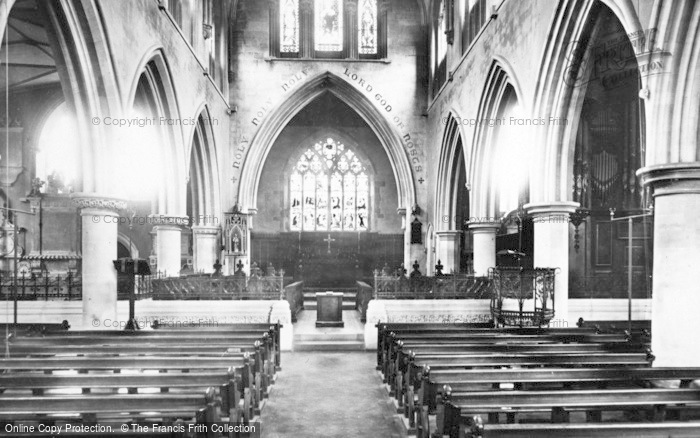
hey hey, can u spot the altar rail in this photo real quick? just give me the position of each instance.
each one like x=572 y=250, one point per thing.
x=206 y=287
x=439 y=287
x=68 y=287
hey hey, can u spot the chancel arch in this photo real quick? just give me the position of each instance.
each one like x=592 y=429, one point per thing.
x=389 y=142
x=329 y=206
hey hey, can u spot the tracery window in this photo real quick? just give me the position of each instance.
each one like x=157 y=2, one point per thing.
x=328 y=29
x=329 y=190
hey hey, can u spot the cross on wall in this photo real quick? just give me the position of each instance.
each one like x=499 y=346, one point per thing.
x=329 y=239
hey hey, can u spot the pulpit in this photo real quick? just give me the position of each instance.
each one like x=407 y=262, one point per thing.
x=329 y=309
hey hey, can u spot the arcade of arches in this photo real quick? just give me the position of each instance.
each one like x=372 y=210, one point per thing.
x=331 y=139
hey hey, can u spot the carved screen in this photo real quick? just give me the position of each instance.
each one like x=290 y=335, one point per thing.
x=368 y=27
x=289 y=26
x=329 y=25
x=329 y=190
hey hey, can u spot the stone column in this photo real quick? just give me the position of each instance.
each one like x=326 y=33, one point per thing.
x=448 y=250
x=274 y=28
x=551 y=229
x=169 y=241
x=484 y=246
x=100 y=217
x=205 y=247
x=676 y=294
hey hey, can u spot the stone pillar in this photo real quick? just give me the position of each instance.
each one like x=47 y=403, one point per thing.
x=169 y=241
x=484 y=246
x=551 y=229
x=100 y=217
x=448 y=250
x=274 y=28
x=205 y=247
x=676 y=297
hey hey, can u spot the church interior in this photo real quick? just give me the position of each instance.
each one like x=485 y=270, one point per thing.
x=350 y=218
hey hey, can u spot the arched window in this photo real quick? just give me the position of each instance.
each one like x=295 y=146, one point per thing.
x=441 y=34
x=329 y=190
x=57 y=152
x=329 y=25
x=329 y=29
x=289 y=26
x=368 y=27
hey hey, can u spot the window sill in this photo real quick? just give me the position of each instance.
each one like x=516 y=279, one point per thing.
x=376 y=61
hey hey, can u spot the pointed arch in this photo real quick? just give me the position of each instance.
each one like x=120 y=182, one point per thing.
x=203 y=167
x=481 y=162
x=154 y=69
x=559 y=95
x=279 y=117
x=451 y=152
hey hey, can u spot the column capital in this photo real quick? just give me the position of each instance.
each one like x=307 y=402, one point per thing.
x=205 y=229
x=558 y=209
x=448 y=233
x=97 y=201
x=351 y=5
x=669 y=179
x=483 y=227
x=168 y=220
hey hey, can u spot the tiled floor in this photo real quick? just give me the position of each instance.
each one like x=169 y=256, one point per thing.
x=329 y=395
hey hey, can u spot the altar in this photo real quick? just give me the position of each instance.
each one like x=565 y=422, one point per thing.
x=329 y=309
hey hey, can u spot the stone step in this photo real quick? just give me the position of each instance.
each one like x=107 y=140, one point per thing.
x=329 y=346
x=329 y=337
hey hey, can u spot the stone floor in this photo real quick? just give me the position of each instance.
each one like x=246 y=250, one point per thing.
x=329 y=395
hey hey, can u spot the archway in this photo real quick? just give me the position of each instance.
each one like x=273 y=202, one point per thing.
x=453 y=246
x=389 y=139
x=330 y=198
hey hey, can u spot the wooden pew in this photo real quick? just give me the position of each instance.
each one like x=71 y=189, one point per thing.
x=168 y=407
x=229 y=384
x=563 y=378
x=689 y=429
x=459 y=409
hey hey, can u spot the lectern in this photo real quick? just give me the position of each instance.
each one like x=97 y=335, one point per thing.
x=329 y=309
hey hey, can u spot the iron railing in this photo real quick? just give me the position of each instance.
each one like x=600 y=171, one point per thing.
x=522 y=297
x=66 y=287
x=439 y=287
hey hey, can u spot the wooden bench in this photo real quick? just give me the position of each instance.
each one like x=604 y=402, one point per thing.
x=565 y=378
x=232 y=392
x=585 y=430
x=458 y=409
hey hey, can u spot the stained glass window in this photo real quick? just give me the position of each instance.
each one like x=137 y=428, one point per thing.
x=289 y=26
x=329 y=190
x=329 y=25
x=368 y=27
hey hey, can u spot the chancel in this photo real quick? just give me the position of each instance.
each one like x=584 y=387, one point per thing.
x=332 y=218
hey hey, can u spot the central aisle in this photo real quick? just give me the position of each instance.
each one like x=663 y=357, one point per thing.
x=329 y=395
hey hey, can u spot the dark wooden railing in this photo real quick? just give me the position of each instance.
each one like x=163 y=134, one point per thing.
x=294 y=293
x=440 y=287
x=206 y=287
x=67 y=287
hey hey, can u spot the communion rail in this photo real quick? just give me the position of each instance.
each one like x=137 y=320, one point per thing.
x=67 y=287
